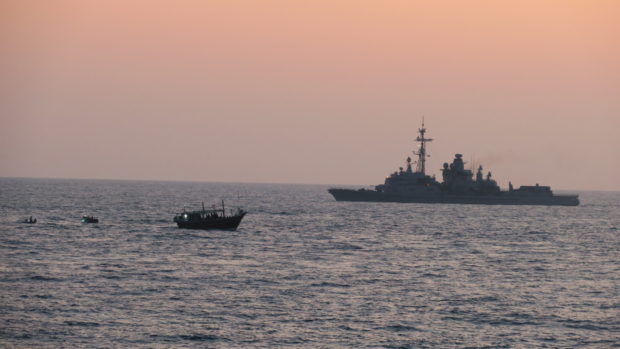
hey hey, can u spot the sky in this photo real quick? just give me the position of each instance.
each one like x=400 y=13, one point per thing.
x=318 y=91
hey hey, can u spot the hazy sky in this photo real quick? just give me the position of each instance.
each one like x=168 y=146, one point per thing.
x=310 y=91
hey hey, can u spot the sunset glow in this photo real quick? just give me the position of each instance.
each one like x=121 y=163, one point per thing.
x=309 y=91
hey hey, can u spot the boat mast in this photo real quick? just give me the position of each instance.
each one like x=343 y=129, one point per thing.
x=421 y=153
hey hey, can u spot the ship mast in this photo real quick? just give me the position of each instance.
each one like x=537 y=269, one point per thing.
x=421 y=153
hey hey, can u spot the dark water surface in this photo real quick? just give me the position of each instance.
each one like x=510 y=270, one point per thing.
x=302 y=270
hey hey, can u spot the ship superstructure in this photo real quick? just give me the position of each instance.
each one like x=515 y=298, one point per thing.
x=459 y=186
x=407 y=180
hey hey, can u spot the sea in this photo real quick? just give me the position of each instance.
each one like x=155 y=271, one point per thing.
x=301 y=271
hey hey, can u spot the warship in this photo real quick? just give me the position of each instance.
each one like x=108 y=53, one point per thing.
x=459 y=186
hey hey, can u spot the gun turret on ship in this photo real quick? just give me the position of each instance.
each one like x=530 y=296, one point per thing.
x=459 y=186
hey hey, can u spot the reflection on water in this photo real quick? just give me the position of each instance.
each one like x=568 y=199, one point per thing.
x=301 y=270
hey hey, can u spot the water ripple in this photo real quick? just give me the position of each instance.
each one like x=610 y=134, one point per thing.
x=301 y=271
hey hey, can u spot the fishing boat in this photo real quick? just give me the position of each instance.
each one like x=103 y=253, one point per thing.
x=90 y=219
x=29 y=220
x=206 y=219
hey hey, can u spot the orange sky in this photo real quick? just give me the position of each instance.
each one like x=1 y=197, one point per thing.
x=309 y=91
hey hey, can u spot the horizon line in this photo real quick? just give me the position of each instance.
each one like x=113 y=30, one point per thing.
x=232 y=182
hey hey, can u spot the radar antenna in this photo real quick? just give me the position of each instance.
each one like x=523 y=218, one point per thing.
x=421 y=153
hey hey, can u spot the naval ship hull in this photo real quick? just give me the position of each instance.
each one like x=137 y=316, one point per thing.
x=501 y=198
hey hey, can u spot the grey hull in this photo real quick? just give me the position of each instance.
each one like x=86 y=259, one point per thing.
x=502 y=198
